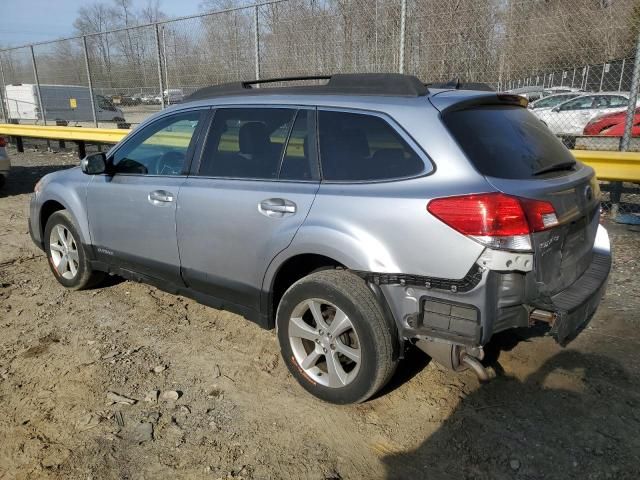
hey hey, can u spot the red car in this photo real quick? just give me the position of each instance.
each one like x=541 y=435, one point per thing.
x=612 y=124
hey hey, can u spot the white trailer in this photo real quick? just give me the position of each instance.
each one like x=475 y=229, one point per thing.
x=70 y=103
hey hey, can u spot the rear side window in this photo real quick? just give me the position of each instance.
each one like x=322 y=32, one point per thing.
x=361 y=147
x=506 y=141
x=246 y=142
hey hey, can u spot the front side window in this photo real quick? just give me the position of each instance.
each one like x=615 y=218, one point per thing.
x=580 y=103
x=553 y=101
x=246 y=142
x=161 y=148
x=361 y=147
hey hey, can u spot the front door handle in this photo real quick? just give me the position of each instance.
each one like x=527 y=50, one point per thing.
x=276 y=207
x=161 y=197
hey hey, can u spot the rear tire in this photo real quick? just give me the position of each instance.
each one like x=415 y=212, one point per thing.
x=335 y=338
x=66 y=253
x=2 y=180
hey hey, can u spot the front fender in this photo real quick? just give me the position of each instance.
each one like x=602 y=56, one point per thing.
x=70 y=191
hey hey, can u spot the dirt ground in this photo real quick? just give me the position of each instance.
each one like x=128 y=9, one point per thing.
x=552 y=413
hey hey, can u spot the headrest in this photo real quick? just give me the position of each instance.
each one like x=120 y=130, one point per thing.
x=253 y=138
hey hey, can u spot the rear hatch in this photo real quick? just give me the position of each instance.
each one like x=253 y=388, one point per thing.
x=520 y=156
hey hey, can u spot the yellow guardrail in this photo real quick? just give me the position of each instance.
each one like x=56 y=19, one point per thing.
x=78 y=134
x=612 y=166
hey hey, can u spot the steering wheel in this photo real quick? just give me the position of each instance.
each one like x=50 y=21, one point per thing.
x=170 y=163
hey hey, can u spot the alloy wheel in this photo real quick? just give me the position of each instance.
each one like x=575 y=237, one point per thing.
x=325 y=343
x=64 y=252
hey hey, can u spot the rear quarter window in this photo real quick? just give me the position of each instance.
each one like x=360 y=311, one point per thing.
x=506 y=141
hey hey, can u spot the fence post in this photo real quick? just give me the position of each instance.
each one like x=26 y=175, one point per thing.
x=159 y=55
x=37 y=79
x=166 y=67
x=89 y=80
x=586 y=79
x=403 y=19
x=616 y=187
x=633 y=98
x=573 y=77
x=621 y=75
x=256 y=40
x=5 y=103
x=604 y=66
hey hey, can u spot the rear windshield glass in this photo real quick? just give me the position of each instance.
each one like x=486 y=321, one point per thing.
x=506 y=141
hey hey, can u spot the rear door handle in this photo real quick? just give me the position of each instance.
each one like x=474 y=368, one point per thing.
x=276 y=207
x=161 y=197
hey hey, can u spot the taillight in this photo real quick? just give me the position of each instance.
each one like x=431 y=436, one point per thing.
x=495 y=219
x=3 y=142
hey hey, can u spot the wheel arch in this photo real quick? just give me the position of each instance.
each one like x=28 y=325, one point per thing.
x=48 y=208
x=68 y=200
x=289 y=271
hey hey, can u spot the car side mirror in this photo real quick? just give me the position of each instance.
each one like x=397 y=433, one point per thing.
x=555 y=109
x=94 y=164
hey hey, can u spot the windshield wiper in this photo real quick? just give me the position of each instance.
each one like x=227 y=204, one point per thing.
x=555 y=167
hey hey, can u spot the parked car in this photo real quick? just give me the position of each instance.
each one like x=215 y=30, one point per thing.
x=356 y=217
x=551 y=101
x=599 y=124
x=534 y=93
x=531 y=93
x=151 y=100
x=571 y=117
x=173 y=96
x=124 y=100
x=5 y=162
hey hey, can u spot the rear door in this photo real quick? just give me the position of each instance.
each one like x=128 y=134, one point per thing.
x=253 y=187
x=521 y=157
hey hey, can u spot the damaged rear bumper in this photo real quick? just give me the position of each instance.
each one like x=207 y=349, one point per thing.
x=574 y=307
x=469 y=312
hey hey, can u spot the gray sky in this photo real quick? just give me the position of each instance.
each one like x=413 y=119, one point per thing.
x=25 y=21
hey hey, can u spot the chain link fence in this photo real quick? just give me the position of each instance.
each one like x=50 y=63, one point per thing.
x=574 y=60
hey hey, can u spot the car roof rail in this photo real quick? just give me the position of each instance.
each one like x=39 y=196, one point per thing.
x=389 y=84
x=456 y=84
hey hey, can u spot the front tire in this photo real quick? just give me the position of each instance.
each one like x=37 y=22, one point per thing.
x=66 y=253
x=335 y=338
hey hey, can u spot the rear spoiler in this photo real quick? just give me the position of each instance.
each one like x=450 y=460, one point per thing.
x=449 y=103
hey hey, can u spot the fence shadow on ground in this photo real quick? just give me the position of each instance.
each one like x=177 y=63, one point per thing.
x=570 y=413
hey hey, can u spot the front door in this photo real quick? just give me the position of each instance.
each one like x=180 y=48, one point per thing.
x=255 y=184
x=132 y=211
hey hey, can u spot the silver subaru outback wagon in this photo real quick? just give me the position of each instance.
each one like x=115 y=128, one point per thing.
x=356 y=217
